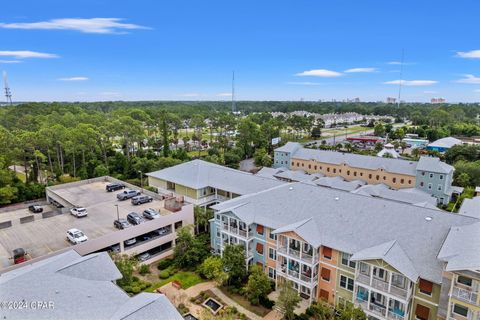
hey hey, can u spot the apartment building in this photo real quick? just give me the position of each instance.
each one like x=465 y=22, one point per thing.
x=428 y=174
x=394 y=260
x=205 y=183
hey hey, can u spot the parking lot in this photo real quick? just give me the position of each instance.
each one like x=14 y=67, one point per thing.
x=46 y=235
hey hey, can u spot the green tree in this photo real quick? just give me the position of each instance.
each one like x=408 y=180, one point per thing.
x=234 y=263
x=320 y=311
x=258 y=285
x=189 y=251
x=212 y=268
x=350 y=312
x=126 y=265
x=379 y=130
x=288 y=300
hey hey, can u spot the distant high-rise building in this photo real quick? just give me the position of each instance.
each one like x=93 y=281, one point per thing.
x=437 y=100
x=391 y=100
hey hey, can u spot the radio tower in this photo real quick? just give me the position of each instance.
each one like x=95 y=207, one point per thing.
x=234 y=107
x=8 y=93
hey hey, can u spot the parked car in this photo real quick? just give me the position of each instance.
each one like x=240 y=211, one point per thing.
x=134 y=218
x=144 y=256
x=78 y=212
x=121 y=224
x=145 y=237
x=114 y=187
x=127 y=194
x=162 y=231
x=151 y=214
x=141 y=199
x=129 y=242
x=56 y=204
x=76 y=236
x=115 y=248
x=35 y=209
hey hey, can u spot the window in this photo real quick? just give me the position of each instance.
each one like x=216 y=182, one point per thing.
x=325 y=274
x=361 y=174
x=315 y=167
x=409 y=181
x=324 y=294
x=328 y=169
x=370 y=176
x=260 y=229
x=334 y=170
x=259 y=248
x=398 y=280
x=425 y=287
x=309 y=166
x=461 y=310
x=394 y=180
x=346 y=260
x=327 y=252
x=272 y=235
x=441 y=177
x=217 y=216
x=429 y=186
x=178 y=224
x=402 y=181
x=272 y=254
x=303 y=164
x=354 y=173
x=431 y=175
x=377 y=177
x=423 y=173
x=379 y=273
x=421 y=184
x=348 y=172
x=465 y=281
x=272 y=273
x=218 y=233
x=439 y=188
x=346 y=283
x=422 y=312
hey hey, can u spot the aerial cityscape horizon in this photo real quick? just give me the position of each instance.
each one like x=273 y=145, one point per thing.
x=279 y=51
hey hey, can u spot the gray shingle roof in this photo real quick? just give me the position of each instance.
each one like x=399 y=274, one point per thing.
x=461 y=249
x=350 y=222
x=432 y=164
x=289 y=147
x=79 y=287
x=358 y=161
x=411 y=195
x=339 y=183
x=392 y=253
x=471 y=207
x=199 y=174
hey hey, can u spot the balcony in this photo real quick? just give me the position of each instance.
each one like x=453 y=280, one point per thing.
x=378 y=309
x=465 y=295
x=363 y=278
x=381 y=285
x=361 y=301
x=396 y=315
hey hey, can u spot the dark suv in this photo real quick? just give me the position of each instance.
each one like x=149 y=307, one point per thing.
x=134 y=218
x=114 y=187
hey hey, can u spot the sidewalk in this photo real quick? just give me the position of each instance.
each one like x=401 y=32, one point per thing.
x=230 y=302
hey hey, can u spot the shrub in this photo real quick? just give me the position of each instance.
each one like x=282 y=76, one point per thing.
x=243 y=316
x=144 y=269
x=164 y=274
x=164 y=264
x=265 y=302
x=136 y=289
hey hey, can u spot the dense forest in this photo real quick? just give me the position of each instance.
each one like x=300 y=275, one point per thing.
x=58 y=142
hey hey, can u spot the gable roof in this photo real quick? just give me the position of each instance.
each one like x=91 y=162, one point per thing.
x=447 y=142
x=470 y=207
x=198 y=174
x=410 y=195
x=433 y=164
x=289 y=147
x=392 y=253
x=80 y=288
x=351 y=222
x=461 y=249
x=358 y=161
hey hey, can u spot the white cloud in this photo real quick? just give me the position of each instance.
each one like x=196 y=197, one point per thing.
x=430 y=92
x=399 y=63
x=476 y=90
x=319 y=73
x=305 y=83
x=10 y=61
x=474 y=54
x=93 y=25
x=74 y=79
x=361 y=70
x=412 y=83
x=224 y=94
x=469 y=79
x=22 y=54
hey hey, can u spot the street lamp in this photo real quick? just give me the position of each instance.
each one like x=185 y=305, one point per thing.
x=118 y=215
x=141 y=180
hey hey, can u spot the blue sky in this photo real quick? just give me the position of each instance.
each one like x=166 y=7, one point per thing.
x=280 y=50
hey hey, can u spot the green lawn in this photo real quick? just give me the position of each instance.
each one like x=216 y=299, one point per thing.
x=243 y=301
x=195 y=153
x=186 y=279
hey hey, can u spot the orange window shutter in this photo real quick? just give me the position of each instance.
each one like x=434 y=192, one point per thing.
x=327 y=252
x=325 y=274
x=422 y=312
x=425 y=286
x=259 y=229
x=324 y=294
x=260 y=248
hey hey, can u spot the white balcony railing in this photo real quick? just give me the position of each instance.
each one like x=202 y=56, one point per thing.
x=465 y=295
x=378 y=309
x=395 y=316
x=380 y=284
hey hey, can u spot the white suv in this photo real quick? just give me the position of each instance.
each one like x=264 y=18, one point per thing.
x=79 y=212
x=76 y=236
